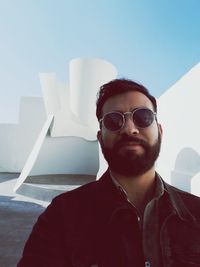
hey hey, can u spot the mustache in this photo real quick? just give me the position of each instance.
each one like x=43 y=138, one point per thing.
x=133 y=139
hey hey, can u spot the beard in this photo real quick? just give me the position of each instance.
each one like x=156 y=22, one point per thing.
x=131 y=163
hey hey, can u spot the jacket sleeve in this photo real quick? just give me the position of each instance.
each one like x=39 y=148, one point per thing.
x=45 y=246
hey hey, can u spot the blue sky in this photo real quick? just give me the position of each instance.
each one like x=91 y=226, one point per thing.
x=154 y=42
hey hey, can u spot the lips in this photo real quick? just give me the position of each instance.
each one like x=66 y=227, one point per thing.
x=132 y=141
x=131 y=145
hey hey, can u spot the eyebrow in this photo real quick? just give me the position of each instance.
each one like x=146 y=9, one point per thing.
x=130 y=110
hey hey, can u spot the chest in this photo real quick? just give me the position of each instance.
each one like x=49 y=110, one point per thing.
x=116 y=242
x=180 y=242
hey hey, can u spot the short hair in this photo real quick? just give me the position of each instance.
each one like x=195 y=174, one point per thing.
x=120 y=86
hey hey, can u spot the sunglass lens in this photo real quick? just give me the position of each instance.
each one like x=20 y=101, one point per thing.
x=113 y=121
x=143 y=117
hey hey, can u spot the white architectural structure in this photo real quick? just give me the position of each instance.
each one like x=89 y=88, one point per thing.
x=179 y=112
x=56 y=134
x=17 y=140
x=71 y=147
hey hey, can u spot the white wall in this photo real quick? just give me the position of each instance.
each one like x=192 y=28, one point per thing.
x=70 y=146
x=75 y=149
x=179 y=111
x=17 y=140
x=8 y=133
x=71 y=155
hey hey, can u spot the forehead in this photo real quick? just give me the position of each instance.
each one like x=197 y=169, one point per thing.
x=127 y=102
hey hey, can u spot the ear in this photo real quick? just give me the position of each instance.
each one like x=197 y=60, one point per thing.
x=160 y=129
x=99 y=136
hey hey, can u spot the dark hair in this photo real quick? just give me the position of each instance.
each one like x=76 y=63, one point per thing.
x=120 y=86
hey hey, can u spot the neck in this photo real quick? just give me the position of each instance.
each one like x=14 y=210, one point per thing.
x=140 y=189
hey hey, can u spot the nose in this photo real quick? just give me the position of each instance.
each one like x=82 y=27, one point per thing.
x=129 y=127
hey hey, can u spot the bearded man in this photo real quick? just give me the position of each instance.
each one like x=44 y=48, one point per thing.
x=130 y=217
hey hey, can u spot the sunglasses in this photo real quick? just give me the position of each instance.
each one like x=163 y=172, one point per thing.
x=115 y=121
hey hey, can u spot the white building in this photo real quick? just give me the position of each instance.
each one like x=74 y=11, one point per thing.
x=179 y=112
x=56 y=134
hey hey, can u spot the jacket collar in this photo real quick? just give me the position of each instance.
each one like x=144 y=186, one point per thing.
x=158 y=192
x=176 y=202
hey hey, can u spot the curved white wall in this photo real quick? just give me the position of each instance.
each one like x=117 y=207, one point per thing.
x=86 y=76
x=72 y=146
x=178 y=112
x=17 y=140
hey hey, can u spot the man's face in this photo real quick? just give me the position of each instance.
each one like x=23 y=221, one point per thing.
x=130 y=151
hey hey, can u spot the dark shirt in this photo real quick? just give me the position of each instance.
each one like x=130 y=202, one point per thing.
x=96 y=225
x=148 y=223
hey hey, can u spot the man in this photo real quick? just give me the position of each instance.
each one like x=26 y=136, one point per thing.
x=130 y=217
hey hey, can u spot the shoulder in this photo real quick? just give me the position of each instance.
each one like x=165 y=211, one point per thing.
x=70 y=207
x=86 y=193
x=83 y=197
x=82 y=193
x=185 y=195
x=191 y=202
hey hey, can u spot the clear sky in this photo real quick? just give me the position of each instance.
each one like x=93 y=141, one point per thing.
x=152 y=41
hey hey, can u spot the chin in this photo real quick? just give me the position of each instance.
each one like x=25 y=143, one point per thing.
x=132 y=154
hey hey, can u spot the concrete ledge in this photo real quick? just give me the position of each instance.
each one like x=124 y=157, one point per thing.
x=46 y=187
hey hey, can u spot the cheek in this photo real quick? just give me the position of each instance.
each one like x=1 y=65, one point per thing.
x=154 y=133
x=108 y=138
x=150 y=134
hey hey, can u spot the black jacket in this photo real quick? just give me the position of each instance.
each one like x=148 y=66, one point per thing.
x=94 y=225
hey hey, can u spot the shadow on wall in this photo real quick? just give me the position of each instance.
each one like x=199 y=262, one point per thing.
x=187 y=165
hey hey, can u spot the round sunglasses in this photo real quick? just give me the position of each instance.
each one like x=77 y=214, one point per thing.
x=115 y=121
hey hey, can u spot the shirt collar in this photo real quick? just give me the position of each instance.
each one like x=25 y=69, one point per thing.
x=158 y=192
